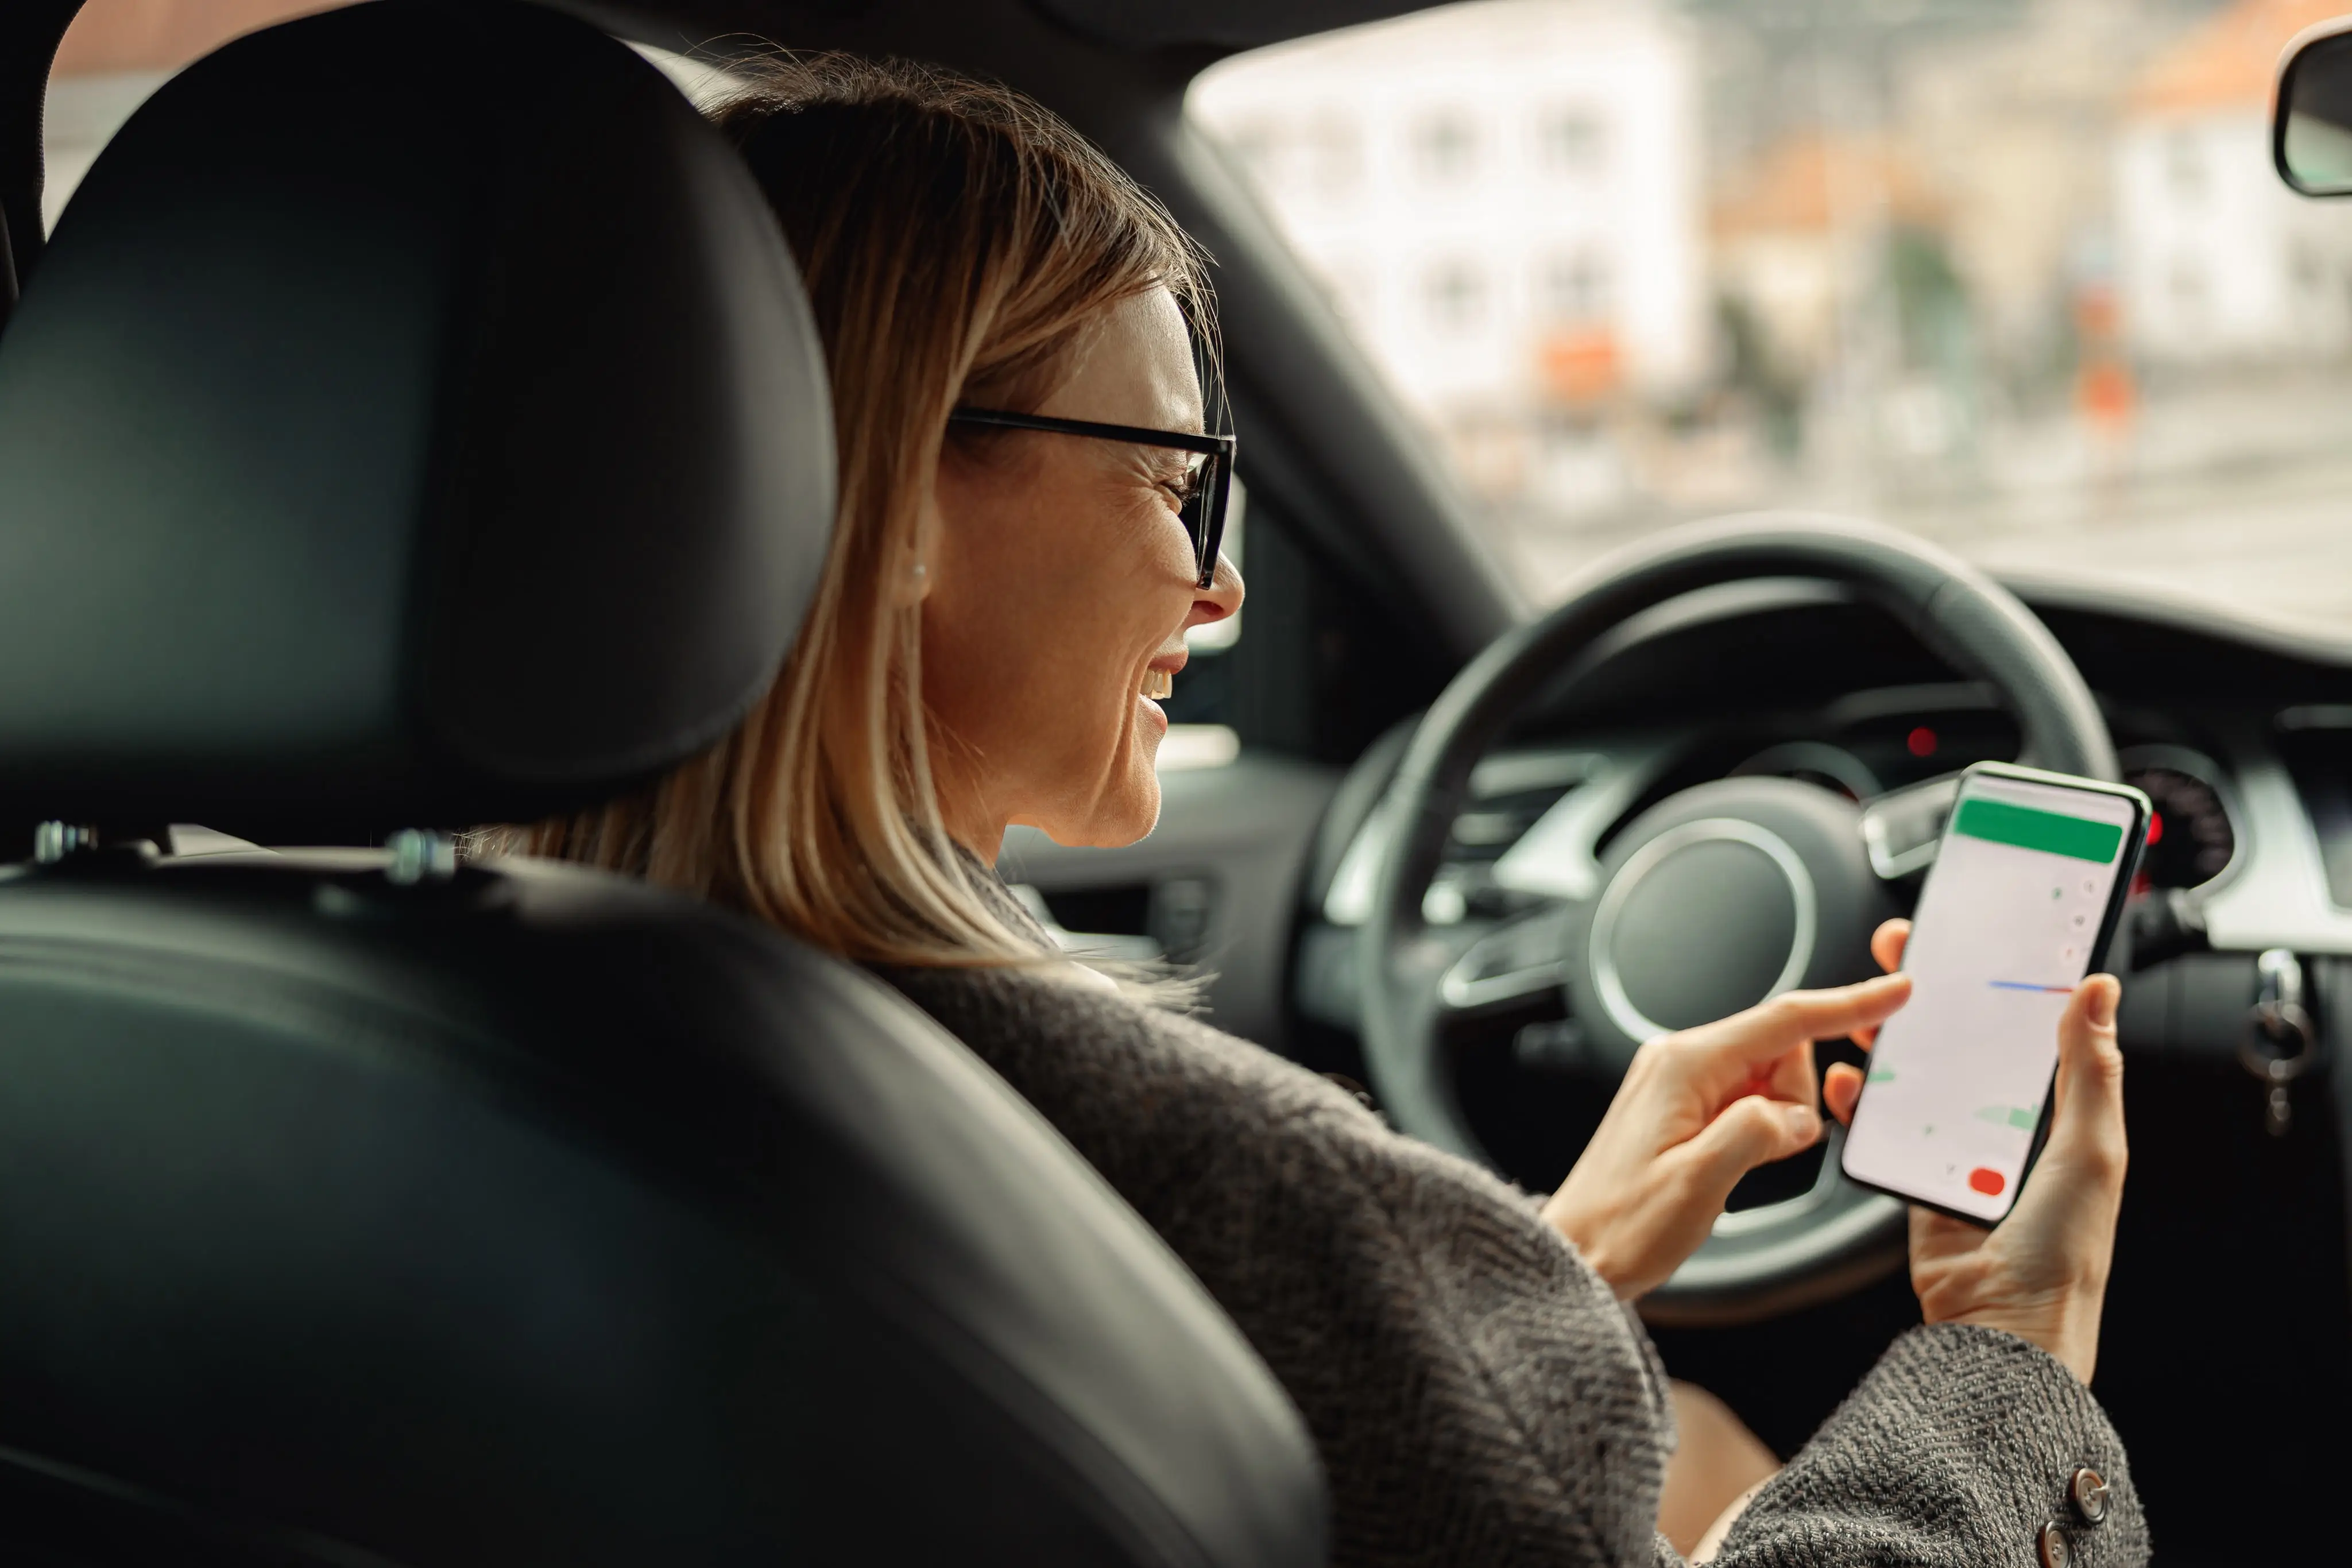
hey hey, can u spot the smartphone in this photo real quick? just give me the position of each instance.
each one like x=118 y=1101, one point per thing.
x=2027 y=888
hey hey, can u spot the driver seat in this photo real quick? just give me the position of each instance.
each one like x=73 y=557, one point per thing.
x=416 y=423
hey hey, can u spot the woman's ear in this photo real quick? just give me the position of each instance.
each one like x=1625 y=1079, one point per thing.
x=910 y=567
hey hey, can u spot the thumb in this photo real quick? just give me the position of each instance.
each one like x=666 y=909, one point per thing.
x=1841 y=1090
x=1752 y=1130
x=2087 y=1121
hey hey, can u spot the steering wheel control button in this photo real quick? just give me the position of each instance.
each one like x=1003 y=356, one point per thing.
x=2088 y=1491
x=2052 y=1545
x=1723 y=886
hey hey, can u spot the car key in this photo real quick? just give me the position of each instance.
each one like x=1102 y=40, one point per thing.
x=2279 y=1043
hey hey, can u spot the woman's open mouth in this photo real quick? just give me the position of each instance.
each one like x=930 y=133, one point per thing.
x=1159 y=675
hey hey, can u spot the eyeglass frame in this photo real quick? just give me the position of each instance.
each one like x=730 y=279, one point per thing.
x=1218 y=449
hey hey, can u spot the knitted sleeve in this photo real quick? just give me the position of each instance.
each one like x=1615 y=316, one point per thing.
x=1957 y=1449
x=1478 y=1395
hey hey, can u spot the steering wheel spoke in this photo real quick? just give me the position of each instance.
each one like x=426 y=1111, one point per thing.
x=1520 y=959
x=1832 y=1238
x=1901 y=828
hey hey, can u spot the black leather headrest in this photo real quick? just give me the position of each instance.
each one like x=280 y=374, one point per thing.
x=415 y=421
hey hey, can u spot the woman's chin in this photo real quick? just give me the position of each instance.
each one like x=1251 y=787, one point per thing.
x=1136 y=810
x=1122 y=816
x=1133 y=815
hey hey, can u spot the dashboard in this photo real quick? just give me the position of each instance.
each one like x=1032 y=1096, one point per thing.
x=2245 y=745
x=1540 y=815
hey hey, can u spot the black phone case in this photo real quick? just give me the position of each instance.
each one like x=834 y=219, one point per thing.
x=2135 y=845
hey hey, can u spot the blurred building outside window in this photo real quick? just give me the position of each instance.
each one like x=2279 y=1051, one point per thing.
x=1457 y=294
x=1577 y=199
x=1576 y=288
x=2185 y=164
x=1448 y=148
x=1337 y=156
x=1573 y=141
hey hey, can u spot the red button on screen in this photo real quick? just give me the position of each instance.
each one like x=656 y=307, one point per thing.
x=1988 y=1181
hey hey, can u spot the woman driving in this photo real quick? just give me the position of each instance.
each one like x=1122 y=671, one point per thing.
x=1031 y=500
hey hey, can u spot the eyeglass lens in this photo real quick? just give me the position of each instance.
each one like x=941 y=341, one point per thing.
x=1199 y=509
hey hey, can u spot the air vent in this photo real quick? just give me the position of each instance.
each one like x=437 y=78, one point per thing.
x=1493 y=825
x=2316 y=745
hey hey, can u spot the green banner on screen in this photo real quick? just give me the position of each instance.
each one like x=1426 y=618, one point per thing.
x=2002 y=823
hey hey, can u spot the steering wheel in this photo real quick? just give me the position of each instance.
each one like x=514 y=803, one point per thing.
x=1711 y=899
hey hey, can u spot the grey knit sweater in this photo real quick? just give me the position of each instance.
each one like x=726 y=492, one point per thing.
x=1479 y=1395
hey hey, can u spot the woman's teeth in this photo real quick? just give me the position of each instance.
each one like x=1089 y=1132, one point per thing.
x=1159 y=684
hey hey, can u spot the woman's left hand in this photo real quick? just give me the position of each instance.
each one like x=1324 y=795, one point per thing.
x=1698 y=1109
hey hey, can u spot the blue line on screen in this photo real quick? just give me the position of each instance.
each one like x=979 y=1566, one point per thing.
x=2026 y=985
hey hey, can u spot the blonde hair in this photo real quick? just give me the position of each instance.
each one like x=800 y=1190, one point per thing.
x=957 y=241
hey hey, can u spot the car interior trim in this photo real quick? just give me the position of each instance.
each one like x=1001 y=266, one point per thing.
x=2280 y=898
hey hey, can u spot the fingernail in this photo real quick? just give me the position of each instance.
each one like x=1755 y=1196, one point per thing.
x=1802 y=1120
x=2103 y=1003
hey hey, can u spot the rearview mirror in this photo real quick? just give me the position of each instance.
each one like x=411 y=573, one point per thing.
x=2310 y=128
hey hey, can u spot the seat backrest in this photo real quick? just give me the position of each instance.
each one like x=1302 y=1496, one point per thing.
x=414 y=422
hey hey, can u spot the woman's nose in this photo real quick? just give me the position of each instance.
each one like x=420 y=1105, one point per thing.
x=1222 y=598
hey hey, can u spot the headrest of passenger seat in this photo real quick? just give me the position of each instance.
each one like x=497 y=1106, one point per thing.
x=415 y=421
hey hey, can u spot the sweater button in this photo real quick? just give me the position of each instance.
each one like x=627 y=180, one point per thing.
x=2088 y=1489
x=2052 y=1544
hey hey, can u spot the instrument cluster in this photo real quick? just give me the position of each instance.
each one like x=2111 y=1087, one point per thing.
x=2192 y=839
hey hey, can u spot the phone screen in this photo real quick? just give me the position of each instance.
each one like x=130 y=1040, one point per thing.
x=2013 y=908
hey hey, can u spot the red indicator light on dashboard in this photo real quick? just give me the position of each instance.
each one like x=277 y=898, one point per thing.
x=1988 y=1181
x=1920 y=742
x=2155 y=827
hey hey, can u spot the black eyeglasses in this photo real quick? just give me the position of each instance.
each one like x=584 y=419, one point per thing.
x=1208 y=479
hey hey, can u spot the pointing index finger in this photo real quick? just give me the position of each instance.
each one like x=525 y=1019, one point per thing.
x=1772 y=1029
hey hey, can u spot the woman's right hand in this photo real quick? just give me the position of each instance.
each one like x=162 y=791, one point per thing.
x=2041 y=1274
x=1698 y=1109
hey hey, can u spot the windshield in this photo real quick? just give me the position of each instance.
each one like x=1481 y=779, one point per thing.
x=2015 y=274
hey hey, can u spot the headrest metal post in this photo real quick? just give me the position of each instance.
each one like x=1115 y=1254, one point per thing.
x=420 y=855
x=53 y=841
